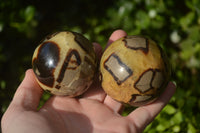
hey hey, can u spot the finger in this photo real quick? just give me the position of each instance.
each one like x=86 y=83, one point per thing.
x=28 y=93
x=98 y=50
x=95 y=91
x=115 y=36
x=142 y=116
x=113 y=105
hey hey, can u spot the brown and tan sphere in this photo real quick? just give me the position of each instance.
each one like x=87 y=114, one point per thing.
x=65 y=64
x=134 y=70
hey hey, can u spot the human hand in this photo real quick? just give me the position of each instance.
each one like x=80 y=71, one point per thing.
x=94 y=111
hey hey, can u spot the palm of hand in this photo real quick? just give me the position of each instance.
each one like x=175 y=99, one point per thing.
x=82 y=115
x=93 y=112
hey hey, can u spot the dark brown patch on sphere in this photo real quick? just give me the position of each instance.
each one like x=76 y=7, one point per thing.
x=45 y=62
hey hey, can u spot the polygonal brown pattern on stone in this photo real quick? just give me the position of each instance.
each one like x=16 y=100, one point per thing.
x=136 y=98
x=84 y=44
x=152 y=78
x=117 y=68
x=71 y=62
x=136 y=43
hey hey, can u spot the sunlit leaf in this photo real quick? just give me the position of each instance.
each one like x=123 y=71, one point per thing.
x=169 y=109
x=177 y=118
x=176 y=128
x=191 y=128
x=29 y=13
x=187 y=20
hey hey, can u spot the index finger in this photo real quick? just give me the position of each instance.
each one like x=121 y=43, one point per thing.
x=95 y=91
x=115 y=36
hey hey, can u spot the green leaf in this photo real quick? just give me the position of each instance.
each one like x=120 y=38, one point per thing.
x=163 y=123
x=187 y=49
x=191 y=128
x=177 y=118
x=193 y=62
x=176 y=128
x=161 y=127
x=194 y=33
x=29 y=13
x=169 y=109
x=3 y=84
x=143 y=19
x=187 y=20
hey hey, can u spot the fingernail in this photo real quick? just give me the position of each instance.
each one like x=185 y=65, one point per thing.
x=174 y=82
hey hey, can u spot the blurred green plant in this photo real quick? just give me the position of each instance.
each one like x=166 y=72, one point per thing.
x=26 y=22
x=173 y=24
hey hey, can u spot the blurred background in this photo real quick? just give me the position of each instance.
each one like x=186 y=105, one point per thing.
x=173 y=24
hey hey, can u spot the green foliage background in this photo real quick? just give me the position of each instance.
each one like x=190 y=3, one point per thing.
x=173 y=24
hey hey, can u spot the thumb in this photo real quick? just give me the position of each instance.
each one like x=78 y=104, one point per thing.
x=28 y=93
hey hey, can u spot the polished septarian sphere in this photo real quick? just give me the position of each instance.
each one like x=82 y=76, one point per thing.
x=134 y=70
x=65 y=63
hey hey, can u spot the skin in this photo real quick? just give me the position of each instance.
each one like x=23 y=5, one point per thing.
x=94 y=111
